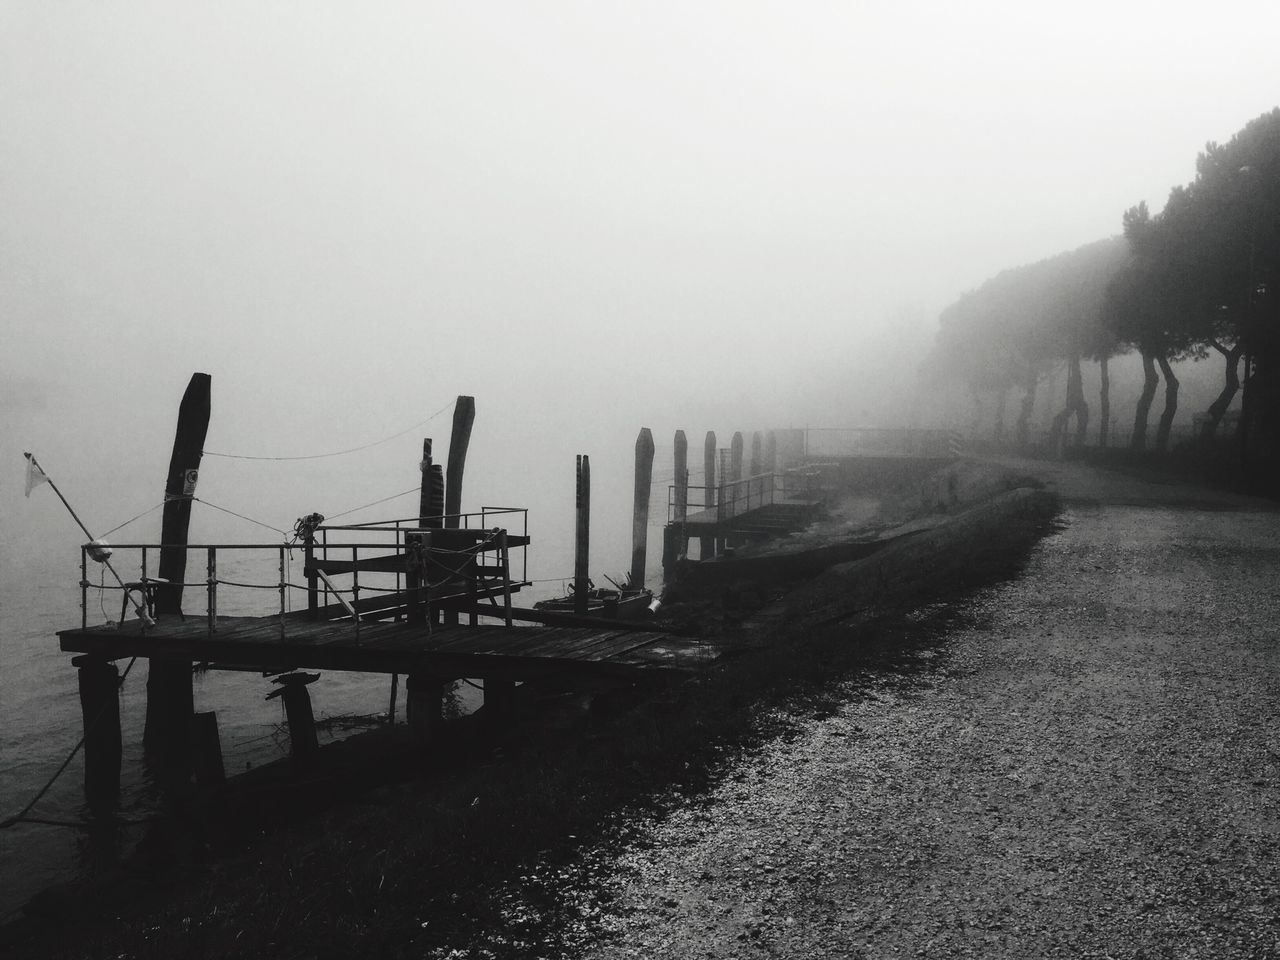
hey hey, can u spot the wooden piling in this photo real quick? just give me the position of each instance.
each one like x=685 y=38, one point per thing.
x=206 y=749
x=303 y=743
x=424 y=703
x=735 y=457
x=426 y=490
x=464 y=416
x=640 y=506
x=757 y=455
x=582 y=537
x=771 y=452
x=675 y=541
x=681 y=477
x=706 y=545
x=169 y=696
x=99 y=682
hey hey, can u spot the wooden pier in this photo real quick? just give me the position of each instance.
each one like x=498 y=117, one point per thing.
x=478 y=652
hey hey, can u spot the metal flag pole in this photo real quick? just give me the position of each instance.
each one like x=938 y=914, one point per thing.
x=137 y=605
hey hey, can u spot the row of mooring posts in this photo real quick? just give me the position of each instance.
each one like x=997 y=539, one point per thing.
x=725 y=464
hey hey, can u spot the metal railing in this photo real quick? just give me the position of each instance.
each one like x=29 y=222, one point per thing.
x=384 y=544
x=732 y=499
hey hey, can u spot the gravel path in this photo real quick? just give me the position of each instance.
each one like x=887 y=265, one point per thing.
x=1085 y=765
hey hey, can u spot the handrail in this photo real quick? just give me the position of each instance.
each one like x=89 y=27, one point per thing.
x=449 y=567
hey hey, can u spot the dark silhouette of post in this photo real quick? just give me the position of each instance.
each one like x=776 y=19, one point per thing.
x=464 y=415
x=100 y=708
x=735 y=457
x=757 y=462
x=771 y=452
x=169 y=698
x=582 y=536
x=640 y=505
x=706 y=545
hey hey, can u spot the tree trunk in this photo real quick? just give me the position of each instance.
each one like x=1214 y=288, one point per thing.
x=1104 y=404
x=1231 y=386
x=1073 y=406
x=1149 y=383
x=1028 y=405
x=1170 y=404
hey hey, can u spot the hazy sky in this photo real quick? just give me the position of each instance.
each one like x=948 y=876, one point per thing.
x=606 y=213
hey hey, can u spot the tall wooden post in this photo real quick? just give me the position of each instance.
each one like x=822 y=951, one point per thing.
x=100 y=709
x=707 y=545
x=757 y=455
x=582 y=536
x=771 y=452
x=675 y=538
x=170 y=703
x=640 y=505
x=681 y=458
x=464 y=415
x=735 y=457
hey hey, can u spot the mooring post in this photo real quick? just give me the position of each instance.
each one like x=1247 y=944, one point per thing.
x=169 y=697
x=430 y=508
x=424 y=703
x=707 y=545
x=735 y=457
x=206 y=749
x=464 y=416
x=100 y=712
x=675 y=540
x=757 y=454
x=582 y=536
x=303 y=744
x=771 y=452
x=640 y=506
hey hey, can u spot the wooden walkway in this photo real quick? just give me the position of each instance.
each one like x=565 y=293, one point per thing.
x=498 y=652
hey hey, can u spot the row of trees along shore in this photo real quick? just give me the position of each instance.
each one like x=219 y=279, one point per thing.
x=1197 y=280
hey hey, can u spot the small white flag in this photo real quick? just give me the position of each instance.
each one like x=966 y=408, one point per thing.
x=35 y=476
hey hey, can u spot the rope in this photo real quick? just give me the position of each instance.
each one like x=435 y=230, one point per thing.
x=22 y=814
x=394 y=496
x=131 y=519
x=283 y=533
x=336 y=453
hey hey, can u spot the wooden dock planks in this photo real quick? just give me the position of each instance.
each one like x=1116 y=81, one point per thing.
x=396 y=647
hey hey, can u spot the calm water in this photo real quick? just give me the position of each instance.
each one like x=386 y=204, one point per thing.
x=39 y=707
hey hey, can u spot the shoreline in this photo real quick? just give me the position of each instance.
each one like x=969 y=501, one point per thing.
x=538 y=793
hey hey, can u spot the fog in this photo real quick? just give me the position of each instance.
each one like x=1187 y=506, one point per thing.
x=592 y=217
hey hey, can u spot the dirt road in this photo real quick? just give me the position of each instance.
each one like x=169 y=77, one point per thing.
x=1084 y=764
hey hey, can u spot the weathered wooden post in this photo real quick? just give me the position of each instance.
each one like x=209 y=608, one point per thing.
x=681 y=457
x=757 y=455
x=207 y=749
x=100 y=710
x=170 y=703
x=303 y=743
x=707 y=545
x=771 y=452
x=424 y=703
x=640 y=506
x=675 y=539
x=582 y=536
x=735 y=457
x=464 y=416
